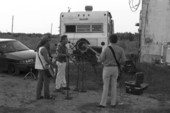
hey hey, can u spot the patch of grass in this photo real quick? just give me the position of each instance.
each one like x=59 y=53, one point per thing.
x=5 y=109
x=156 y=111
x=156 y=76
x=92 y=80
x=129 y=46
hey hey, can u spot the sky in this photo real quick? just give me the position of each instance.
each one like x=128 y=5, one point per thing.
x=43 y=16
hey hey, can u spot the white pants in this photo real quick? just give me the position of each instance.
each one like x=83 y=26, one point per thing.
x=60 y=78
x=110 y=74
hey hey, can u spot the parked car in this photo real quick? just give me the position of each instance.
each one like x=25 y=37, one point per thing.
x=15 y=56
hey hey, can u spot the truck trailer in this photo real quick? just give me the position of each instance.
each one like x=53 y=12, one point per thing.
x=93 y=26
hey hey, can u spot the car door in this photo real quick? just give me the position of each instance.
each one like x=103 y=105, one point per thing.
x=3 y=60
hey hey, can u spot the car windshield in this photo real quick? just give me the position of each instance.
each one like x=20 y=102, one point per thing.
x=12 y=46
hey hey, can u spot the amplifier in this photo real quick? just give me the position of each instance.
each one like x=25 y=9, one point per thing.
x=135 y=89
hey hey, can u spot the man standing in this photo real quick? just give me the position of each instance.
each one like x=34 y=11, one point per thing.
x=41 y=61
x=110 y=70
x=62 y=54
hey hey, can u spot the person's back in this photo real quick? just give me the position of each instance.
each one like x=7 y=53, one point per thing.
x=110 y=69
x=108 y=58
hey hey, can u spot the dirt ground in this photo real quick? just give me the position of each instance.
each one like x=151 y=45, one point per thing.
x=18 y=96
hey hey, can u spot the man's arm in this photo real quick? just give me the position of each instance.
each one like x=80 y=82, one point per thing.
x=102 y=56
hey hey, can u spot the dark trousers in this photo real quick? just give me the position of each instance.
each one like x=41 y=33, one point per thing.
x=43 y=81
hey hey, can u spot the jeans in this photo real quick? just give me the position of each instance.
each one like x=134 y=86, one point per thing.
x=43 y=80
x=110 y=75
x=60 y=78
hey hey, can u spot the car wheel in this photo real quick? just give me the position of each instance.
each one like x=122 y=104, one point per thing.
x=12 y=69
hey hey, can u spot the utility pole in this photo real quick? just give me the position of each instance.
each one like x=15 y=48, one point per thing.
x=12 y=24
x=69 y=9
x=51 y=27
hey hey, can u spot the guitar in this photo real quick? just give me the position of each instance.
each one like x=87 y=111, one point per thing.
x=50 y=68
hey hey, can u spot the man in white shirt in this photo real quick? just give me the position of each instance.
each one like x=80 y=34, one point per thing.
x=42 y=60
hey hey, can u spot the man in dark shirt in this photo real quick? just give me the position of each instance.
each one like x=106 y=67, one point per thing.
x=62 y=54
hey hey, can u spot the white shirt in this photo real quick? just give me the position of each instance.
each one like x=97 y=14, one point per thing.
x=38 y=63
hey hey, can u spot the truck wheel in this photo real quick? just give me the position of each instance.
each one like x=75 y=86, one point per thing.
x=13 y=70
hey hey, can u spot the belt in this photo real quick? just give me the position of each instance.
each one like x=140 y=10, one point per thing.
x=62 y=61
x=110 y=65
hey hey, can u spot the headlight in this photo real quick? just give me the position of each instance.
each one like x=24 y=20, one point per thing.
x=27 y=61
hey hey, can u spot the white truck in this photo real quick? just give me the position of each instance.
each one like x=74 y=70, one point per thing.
x=94 y=26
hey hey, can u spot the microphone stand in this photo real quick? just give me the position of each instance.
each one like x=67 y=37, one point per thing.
x=83 y=90
x=77 y=80
x=67 y=93
x=77 y=64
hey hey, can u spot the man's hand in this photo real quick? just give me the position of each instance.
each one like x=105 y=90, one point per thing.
x=54 y=65
x=67 y=55
x=98 y=57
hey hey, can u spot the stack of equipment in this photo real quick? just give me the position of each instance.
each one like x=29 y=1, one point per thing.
x=137 y=86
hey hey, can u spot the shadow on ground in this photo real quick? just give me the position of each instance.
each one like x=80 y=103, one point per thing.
x=93 y=108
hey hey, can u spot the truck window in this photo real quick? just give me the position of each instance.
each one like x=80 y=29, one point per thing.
x=83 y=28
x=97 y=28
x=70 y=28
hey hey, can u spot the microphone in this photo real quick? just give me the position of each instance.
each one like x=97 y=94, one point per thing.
x=70 y=42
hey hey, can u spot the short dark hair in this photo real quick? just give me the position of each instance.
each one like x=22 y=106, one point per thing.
x=63 y=37
x=113 y=38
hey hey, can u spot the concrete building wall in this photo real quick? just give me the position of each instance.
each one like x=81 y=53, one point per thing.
x=155 y=29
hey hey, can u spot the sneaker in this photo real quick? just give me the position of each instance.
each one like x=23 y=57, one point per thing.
x=50 y=98
x=113 y=106
x=65 y=88
x=41 y=97
x=57 y=90
x=101 y=106
x=117 y=104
